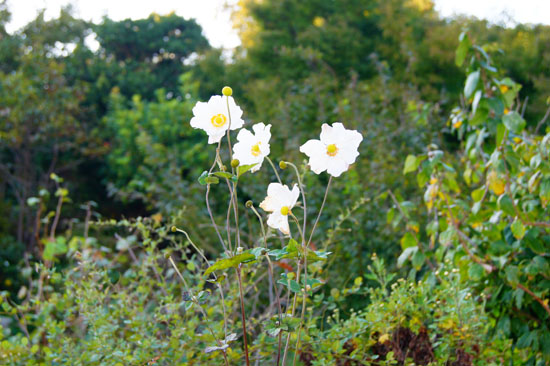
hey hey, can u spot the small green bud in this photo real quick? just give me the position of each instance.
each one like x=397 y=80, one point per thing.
x=174 y=229
x=235 y=163
x=223 y=168
x=249 y=204
x=282 y=164
x=227 y=91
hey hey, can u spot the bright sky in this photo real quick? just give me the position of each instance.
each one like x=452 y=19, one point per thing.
x=215 y=19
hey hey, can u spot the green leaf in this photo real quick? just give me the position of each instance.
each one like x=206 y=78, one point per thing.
x=53 y=248
x=501 y=130
x=478 y=194
x=476 y=271
x=471 y=83
x=406 y=255
x=407 y=241
x=212 y=180
x=202 y=178
x=32 y=201
x=412 y=163
x=244 y=168
x=514 y=122
x=480 y=117
x=224 y=175
x=544 y=192
x=506 y=205
x=518 y=229
x=230 y=262
x=512 y=274
x=292 y=285
x=418 y=259
x=462 y=50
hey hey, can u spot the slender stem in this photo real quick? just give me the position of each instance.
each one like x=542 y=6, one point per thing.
x=320 y=211
x=215 y=277
x=292 y=313
x=57 y=215
x=277 y=296
x=243 y=317
x=216 y=160
x=303 y=198
x=194 y=299
x=274 y=169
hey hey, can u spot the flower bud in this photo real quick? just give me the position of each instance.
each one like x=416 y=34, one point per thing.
x=235 y=163
x=249 y=204
x=223 y=168
x=239 y=250
x=227 y=91
x=282 y=164
x=174 y=229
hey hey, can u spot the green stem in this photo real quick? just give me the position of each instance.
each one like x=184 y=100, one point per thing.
x=196 y=302
x=274 y=169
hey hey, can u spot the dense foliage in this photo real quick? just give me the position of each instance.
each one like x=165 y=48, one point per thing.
x=98 y=161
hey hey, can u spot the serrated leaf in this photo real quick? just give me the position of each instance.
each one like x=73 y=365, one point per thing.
x=230 y=262
x=241 y=169
x=202 y=178
x=223 y=175
x=212 y=180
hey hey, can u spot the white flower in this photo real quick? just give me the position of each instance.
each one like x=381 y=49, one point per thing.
x=336 y=150
x=253 y=148
x=212 y=117
x=279 y=201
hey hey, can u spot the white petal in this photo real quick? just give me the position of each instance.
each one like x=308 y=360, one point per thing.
x=348 y=154
x=319 y=163
x=277 y=220
x=236 y=114
x=295 y=194
x=313 y=148
x=328 y=134
x=279 y=192
x=245 y=136
x=283 y=225
x=337 y=166
x=215 y=137
x=274 y=219
x=269 y=204
x=349 y=138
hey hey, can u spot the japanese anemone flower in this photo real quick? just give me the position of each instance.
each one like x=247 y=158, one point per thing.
x=253 y=148
x=212 y=117
x=335 y=151
x=279 y=201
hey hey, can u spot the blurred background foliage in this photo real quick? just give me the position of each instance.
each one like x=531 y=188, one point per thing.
x=113 y=123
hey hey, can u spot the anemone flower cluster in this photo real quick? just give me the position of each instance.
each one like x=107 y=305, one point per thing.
x=334 y=152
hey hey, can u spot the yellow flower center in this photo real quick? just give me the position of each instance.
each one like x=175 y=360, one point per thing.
x=218 y=120
x=255 y=150
x=285 y=210
x=332 y=150
x=503 y=88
